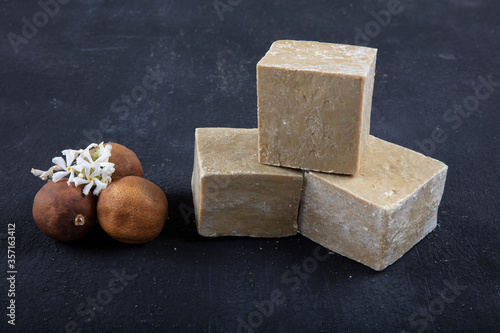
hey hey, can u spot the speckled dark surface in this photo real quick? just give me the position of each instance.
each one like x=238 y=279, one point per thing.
x=58 y=87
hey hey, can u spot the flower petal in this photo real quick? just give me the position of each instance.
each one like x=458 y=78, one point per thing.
x=77 y=168
x=87 y=188
x=106 y=164
x=71 y=177
x=80 y=181
x=70 y=154
x=99 y=186
x=59 y=161
x=58 y=175
x=86 y=155
x=97 y=171
x=37 y=172
x=80 y=160
x=90 y=146
x=107 y=172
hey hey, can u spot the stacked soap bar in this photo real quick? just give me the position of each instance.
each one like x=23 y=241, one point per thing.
x=314 y=102
x=362 y=197
x=376 y=216
x=234 y=194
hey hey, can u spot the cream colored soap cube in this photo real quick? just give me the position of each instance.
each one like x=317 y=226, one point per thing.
x=314 y=104
x=377 y=215
x=234 y=194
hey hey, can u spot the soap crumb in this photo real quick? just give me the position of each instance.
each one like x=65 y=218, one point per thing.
x=390 y=193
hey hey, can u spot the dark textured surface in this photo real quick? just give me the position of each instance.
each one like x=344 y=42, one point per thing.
x=61 y=84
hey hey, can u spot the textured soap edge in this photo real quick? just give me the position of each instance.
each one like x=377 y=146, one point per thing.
x=261 y=63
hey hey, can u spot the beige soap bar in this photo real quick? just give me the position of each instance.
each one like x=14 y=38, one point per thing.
x=377 y=215
x=234 y=194
x=314 y=104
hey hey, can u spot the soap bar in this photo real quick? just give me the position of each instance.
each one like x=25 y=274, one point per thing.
x=234 y=194
x=376 y=216
x=314 y=104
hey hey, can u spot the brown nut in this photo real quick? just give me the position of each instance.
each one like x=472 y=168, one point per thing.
x=132 y=210
x=63 y=212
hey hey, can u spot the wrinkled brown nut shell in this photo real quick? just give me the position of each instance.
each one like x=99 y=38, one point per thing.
x=132 y=210
x=63 y=212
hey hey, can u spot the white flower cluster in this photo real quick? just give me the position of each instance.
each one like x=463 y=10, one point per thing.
x=82 y=168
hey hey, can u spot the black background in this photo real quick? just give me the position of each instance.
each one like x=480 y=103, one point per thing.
x=60 y=85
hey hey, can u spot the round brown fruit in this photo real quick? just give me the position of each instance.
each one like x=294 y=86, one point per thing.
x=125 y=160
x=132 y=210
x=63 y=212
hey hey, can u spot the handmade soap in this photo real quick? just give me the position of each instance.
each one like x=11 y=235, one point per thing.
x=236 y=195
x=376 y=216
x=314 y=104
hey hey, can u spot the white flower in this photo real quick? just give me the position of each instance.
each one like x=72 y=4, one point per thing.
x=44 y=174
x=67 y=169
x=79 y=181
x=82 y=168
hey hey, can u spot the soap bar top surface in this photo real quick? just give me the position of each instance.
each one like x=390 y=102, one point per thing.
x=322 y=57
x=389 y=173
x=226 y=151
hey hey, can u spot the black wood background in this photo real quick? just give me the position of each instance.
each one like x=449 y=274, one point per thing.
x=69 y=81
